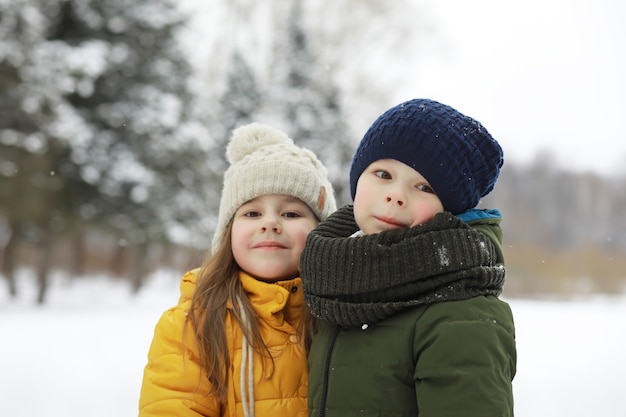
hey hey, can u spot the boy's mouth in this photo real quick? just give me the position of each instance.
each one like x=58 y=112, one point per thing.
x=390 y=221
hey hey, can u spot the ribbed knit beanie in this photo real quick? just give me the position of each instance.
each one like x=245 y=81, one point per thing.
x=454 y=152
x=264 y=160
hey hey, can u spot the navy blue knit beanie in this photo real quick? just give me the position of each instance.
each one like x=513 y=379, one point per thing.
x=454 y=152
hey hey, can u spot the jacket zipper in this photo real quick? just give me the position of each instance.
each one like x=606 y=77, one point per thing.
x=329 y=354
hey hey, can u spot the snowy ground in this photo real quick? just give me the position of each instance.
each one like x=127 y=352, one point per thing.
x=83 y=353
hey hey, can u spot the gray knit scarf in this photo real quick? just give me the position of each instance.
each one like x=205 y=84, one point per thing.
x=355 y=280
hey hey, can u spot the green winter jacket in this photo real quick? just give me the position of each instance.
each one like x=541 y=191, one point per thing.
x=454 y=358
x=448 y=358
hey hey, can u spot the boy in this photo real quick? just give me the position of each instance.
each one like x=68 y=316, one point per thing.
x=406 y=291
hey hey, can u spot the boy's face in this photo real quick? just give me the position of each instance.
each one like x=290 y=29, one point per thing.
x=392 y=195
x=268 y=236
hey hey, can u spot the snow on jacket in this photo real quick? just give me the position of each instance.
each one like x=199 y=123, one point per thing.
x=174 y=384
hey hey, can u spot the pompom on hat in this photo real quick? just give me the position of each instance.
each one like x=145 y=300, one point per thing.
x=454 y=152
x=264 y=160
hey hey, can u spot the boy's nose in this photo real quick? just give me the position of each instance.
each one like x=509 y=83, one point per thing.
x=397 y=201
x=395 y=196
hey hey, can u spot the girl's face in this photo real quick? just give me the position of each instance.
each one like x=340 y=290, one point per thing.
x=392 y=195
x=268 y=235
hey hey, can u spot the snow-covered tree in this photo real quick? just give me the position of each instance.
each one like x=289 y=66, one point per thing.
x=309 y=104
x=100 y=114
x=241 y=100
x=313 y=62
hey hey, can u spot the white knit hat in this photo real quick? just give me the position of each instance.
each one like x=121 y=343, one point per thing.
x=265 y=160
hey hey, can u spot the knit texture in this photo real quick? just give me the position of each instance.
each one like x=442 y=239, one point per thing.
x=263 y=161
x=354 y=280
x=454 y=152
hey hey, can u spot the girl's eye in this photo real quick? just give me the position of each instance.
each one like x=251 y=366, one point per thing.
x=291 y=214
x=252 y=213
x=426 y=188
x=380 y=173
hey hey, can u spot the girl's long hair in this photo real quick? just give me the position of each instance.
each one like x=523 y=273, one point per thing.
x=217 y=283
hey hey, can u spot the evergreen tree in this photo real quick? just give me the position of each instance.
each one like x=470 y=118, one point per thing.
x=311 y=107
x=241 y=100
x=97 y=111
x=143 y=150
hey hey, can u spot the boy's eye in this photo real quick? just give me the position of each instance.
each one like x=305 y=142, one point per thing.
x=426 y=188
x=381 y=173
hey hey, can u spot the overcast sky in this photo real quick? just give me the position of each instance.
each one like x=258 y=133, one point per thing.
x=539 y=74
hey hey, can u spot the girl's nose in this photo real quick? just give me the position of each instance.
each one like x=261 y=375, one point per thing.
x=270 y=223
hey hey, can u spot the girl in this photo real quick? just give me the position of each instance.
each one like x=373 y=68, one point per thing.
x=236 y=343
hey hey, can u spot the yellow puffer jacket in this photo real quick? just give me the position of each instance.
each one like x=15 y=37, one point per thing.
x=174 y=382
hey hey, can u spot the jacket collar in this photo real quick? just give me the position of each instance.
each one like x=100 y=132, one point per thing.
x=270 y=300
